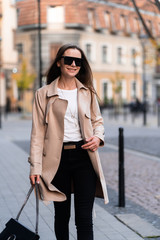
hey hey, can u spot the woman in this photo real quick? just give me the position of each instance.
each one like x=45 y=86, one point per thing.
x=67 y=129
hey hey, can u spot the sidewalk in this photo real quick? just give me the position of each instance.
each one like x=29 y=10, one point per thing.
x=14 y=184
x=134 y=119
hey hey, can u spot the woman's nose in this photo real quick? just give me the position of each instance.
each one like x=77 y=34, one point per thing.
x=73 y=63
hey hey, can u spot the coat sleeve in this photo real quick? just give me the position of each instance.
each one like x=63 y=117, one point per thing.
x=37 y=136
x=97 y=120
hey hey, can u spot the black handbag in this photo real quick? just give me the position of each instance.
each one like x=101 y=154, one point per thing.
x=15 y=230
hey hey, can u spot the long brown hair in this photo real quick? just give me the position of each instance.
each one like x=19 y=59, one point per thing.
x=85 y=74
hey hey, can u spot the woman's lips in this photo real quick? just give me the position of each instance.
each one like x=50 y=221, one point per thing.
x=72 y=69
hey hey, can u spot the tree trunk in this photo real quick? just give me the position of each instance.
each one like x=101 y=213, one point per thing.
x=142 y=20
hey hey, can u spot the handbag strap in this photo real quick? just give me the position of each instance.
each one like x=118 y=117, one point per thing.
x=37 y=205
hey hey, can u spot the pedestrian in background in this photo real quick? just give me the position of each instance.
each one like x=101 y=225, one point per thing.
x=67 y=129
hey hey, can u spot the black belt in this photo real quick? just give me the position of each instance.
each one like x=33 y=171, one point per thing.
x=72 y=145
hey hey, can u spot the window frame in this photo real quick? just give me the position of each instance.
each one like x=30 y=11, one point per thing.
x=62 y=16
x=108 y=55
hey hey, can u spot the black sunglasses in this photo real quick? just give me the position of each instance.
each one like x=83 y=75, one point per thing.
x=69 y=60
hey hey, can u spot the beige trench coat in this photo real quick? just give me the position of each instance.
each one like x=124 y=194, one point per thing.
x=48 y=132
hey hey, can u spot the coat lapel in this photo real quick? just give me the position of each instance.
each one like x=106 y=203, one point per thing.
x=52 y=96
x=83 y=103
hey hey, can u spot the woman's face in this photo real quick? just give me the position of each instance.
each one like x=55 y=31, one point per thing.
x=70 y=69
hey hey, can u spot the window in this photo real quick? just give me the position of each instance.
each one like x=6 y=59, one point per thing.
x=136 y=25
x=128 y=27
x=113 y=25
x=133 y=56
x=88 y=51
x=151 y=27
x=119 y=55
x=104 y=54
x=20 y=50
x=141 y=29
x=107 y=19
x=123 y=90
x=55 y=15
x=149 y=24
x=106 y=90
x=123 y=22
x=18 y=13
x=125 y=26
x=133 y=89
x=91 y=17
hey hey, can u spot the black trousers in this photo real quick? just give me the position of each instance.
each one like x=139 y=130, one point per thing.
x=76 y=167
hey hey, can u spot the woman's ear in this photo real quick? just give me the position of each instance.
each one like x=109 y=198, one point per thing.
x=58 y=64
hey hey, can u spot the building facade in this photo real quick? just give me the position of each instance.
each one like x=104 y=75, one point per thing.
x=110 y=34
x=8 y=53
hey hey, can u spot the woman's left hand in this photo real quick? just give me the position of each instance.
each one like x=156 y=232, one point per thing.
x=92 y=143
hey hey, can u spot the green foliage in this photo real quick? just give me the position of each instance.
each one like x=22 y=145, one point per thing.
x=116 y=81
x=105 y=100
x=23 y=78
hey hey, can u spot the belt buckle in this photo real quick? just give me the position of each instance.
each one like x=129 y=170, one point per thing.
x=69 y=147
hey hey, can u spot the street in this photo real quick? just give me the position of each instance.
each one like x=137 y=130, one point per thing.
x=57 y=57
x=142 y=164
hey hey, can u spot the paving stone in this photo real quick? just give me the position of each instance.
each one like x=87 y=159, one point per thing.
x=112 y=227
x=139 y=225
x=16 y=184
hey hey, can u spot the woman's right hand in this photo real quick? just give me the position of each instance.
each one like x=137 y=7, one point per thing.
x=34 y=178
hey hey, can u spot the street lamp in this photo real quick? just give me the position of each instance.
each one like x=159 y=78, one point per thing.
x=142 y=38
x=135 y=72
x=39 y=43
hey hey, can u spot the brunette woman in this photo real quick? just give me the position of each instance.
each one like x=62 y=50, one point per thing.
x=66 y=132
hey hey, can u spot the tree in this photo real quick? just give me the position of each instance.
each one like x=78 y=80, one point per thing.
x=117 y=87
x=24 y=80
x=148 y=31
x=156 y=3
x=149 y=34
